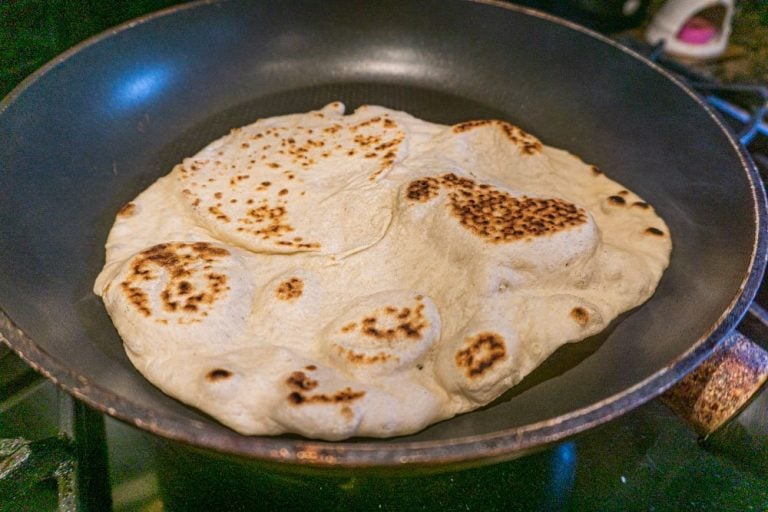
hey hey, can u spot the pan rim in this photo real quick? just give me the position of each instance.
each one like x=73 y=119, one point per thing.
x=491 y=447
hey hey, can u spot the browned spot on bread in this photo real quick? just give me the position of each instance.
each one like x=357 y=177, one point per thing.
x=234 y=180
x=218 y=374
x=334 y=128
x=127 y=210
x=654 y=231
x=344 y=396
x=596 y=171
x=580 y=315
x=290 y=289
x=137 y=297
x=180 y=261
x=527 y=143
x=617 y=200
x=480 y=353
x=265 y=221
x=498 y=217
x=349 y=327
x=310 y=367
x=408 y=323
x=300 y=381
x=423 y=189
x=366 y=359
x=641 y=204
x=468 y=125
x=623 y=192
x=220 y=215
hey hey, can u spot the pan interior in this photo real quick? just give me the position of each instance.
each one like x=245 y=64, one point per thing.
x=97 y=128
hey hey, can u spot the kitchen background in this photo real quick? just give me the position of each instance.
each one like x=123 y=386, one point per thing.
x=646 y=460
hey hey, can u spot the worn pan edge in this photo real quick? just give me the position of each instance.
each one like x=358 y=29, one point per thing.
x=486 y=448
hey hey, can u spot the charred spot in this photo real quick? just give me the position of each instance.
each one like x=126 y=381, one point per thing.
x=347 y=413
x=409 y=330
x=310 y=367
x=137 y=297
x=617 y=200
x=218 y=214
x=423 y=189
x=344 y=396
x=580 y=315
x=218 y=374
x=179 y=261
x=127 y=210
x=364 y=359
x=641 y=204
x=410 y=323
x=468 y=125
x=290 y=289
x=206 y=249
x=527 y=143
x=265 y=221
x=498 y=217
x=596 y=171
x=654 y=231
x=480 y=353
x=296 y=398
x=300 y=381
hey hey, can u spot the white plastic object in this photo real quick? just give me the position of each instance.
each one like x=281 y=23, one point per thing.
x=697 y=29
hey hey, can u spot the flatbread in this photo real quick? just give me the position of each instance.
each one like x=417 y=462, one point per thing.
x=370 y=274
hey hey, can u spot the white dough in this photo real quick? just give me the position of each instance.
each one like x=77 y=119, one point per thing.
x=369 y=274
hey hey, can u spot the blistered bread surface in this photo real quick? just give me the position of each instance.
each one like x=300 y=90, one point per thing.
x=370 y=274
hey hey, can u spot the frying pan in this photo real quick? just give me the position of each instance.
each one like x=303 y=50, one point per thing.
x=101 y=122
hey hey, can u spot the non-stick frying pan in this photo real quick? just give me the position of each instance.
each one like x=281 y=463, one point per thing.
x=103 y=121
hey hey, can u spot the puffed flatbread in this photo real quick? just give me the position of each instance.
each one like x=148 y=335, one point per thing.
x=369 y=274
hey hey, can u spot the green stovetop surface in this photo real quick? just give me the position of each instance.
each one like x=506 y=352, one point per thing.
x=645 y=460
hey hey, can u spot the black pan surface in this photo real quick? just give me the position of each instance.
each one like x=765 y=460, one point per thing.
x=100 y=123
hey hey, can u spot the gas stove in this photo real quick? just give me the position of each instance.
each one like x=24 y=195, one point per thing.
x=57 y=453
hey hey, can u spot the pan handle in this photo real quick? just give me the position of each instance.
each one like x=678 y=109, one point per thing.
x=719 y=388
